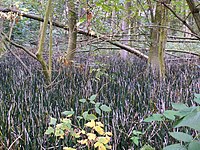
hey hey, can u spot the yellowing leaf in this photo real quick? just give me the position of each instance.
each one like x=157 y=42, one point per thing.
x=92 y=32
x=90 y=124
x=100 y=146
x=99 y=130
x=104 y=140
x=109 y=147
x=91 y=136
x=99 y=124
x=108 y=133
x=82 y=142
x=68 y=148
x=83 y=131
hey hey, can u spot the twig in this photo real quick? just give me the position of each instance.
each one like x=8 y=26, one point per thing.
x=14 y=141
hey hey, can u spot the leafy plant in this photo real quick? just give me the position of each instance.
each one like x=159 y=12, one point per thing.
x=91 y=134
x=184 y=116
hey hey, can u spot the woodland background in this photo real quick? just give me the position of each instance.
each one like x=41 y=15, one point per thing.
x=113 y=61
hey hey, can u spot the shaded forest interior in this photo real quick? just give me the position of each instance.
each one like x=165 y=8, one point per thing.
x=99 y=74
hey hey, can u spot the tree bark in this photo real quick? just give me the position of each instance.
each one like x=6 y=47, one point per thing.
x=158 y=40
x=72 y=36
x=41 y=42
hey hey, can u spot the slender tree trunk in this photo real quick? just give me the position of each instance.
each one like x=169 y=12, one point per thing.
x=41 y=42
x=72 y=37
x=125 y=29
x=1 y=37
x=158 y=40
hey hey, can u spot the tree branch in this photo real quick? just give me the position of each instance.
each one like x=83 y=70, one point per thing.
x=63 y=26
x=179 y=18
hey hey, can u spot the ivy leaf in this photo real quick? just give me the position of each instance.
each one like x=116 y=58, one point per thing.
x=53 y=121
x=135 y=140
x=68 y=113
x=82 y=100
x=59 y=132
x=50 y=130
x=92 y=102
x=180 y=136
x=93 y=97
x=98 y=111
x=97 y=104
x=85 y=114
x=91 y=117
x=105 y=108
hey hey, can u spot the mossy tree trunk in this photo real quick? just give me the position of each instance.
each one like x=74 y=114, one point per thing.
x=72 y=36
x=158 y=40
x=42 y=40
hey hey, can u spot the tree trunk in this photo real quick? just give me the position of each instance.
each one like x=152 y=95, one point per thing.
x=125 y=29
x=72 y=19
x=158 y=40
x=41 y=42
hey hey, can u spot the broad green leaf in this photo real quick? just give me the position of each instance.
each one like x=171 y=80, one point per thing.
x=194 y=145
x=92 y=102
x=186 y=111
x=154 y=117
x=105 y=108
x=135 y=140
x=97 y=104
x=82 y=100
x=197 y=98
x=93 y=97
x=149 y=119
x=98 y=111
x=53 y=121
x=85 y=115
x=79 y=117
x=147 y=147
x=49 y=130
x=68 y=113
x=170 y=114
x=175 y=147
x=91 y=117
x=135 y=132
x=59 y=132
x=180 y=136
x=192 y=120
x=179 y=106
x=158 y=117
